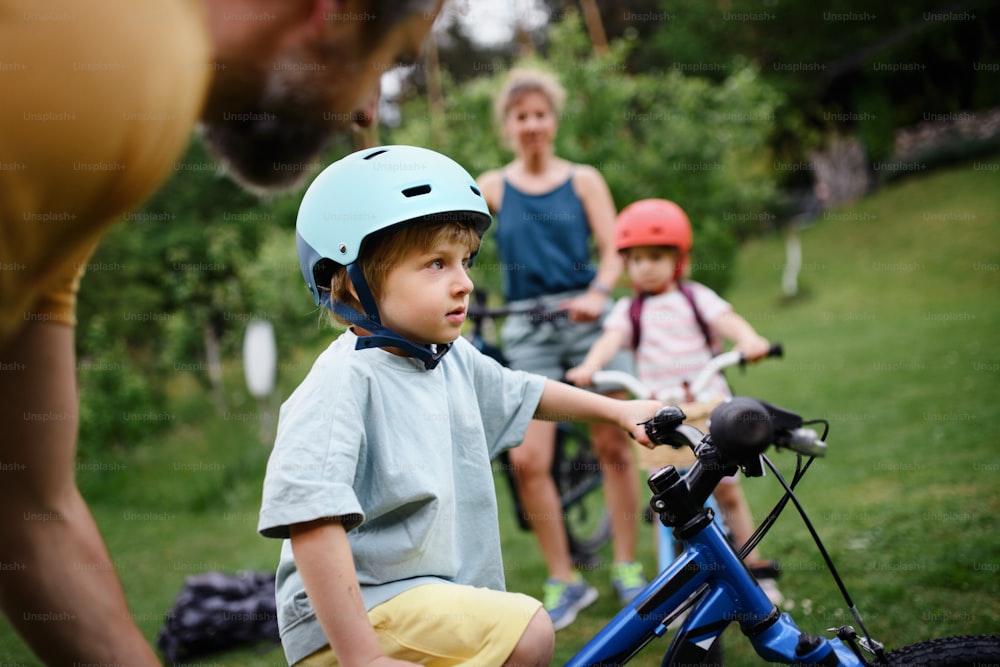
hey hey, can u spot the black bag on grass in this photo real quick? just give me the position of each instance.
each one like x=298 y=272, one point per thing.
x=216 y=611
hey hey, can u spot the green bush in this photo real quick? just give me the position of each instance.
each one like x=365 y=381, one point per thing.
x=119 y=405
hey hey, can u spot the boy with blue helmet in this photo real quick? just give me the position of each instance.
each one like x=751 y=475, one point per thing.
x=361 y=196
x=380 y=481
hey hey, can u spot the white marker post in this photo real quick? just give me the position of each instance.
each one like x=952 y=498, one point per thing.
x=260 y=362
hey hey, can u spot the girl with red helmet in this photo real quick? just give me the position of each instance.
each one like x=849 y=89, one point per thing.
x=681 y=323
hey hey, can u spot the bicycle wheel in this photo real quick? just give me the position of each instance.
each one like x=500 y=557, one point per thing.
x=969 y=651
x=577 y=474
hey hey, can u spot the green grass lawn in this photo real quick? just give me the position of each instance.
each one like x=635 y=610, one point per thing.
x=891 y=339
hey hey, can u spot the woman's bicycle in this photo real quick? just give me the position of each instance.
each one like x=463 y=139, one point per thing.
x=709 y=581
x=575 y=467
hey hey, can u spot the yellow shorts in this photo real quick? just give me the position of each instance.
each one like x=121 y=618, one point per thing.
x=446 y=625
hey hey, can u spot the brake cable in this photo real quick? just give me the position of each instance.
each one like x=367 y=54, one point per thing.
x=755 y=539
x=779 y=507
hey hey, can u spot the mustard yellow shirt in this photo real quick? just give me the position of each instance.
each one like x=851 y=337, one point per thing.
x=97 y=100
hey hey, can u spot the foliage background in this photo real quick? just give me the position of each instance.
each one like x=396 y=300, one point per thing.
x=714 y=105
x=702 y=144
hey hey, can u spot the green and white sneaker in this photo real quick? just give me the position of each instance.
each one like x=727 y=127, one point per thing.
x=563 y=600
x=628 y=580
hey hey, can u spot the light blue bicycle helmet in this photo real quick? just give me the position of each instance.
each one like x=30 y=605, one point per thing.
x=366 y=192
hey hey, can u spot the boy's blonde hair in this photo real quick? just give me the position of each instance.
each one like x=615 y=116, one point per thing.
x=382 y=252
x=522 y=81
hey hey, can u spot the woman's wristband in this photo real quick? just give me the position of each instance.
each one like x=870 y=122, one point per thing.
x=600 y=287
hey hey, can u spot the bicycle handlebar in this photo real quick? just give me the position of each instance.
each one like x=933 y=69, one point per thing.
x=536 y=313
x=740 y=429
x=725 y=360
x=745 y=427
x=717 y=363
x=626 y=381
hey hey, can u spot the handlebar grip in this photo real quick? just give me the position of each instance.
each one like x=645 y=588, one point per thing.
x=661 y=428
x=802 y=440
x=741 y=428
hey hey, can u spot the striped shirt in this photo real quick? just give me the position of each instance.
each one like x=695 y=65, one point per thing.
x=672 y=349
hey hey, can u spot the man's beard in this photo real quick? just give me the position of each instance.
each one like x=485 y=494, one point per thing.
x=271 y=141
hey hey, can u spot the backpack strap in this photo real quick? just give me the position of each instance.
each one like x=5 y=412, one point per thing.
x=635 y=315
x=685 y=289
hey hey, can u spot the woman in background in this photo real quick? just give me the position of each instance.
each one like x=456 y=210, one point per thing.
x=551 y=216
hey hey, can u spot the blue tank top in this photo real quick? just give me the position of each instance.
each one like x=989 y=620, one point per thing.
x=543 y=242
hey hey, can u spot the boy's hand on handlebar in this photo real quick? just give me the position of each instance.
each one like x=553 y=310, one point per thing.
x=753 y=347
x=634 y=415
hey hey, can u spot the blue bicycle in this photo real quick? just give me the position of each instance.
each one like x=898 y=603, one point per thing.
x=709 y=581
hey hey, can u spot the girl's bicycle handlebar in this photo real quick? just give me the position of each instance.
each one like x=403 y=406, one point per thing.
x=718 y=363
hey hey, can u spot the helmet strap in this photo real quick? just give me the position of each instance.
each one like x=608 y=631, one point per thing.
x=380 y=335
x=364 y=293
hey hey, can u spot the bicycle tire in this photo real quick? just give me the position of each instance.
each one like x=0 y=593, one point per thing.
x=577 y=474
x=962 y=651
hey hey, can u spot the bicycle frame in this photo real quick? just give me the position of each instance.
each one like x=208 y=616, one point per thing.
x=709 y=579
x=725 y=592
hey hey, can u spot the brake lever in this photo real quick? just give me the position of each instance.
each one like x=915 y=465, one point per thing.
x=667 y=427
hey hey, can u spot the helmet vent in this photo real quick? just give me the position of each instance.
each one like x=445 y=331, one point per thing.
x=476 y=190
x=375 y=154
x=416 y=191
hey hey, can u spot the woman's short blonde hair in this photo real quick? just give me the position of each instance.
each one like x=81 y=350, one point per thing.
x=522 y=81
x=380 y=253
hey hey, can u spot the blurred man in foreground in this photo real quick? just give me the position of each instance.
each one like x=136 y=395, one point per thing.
x=100 y=100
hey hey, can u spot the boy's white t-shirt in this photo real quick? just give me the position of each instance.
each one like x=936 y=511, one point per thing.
x=672 y=348
x=402 y=455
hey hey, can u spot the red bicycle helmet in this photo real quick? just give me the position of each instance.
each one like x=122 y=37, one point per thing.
x=657 y=222
x=653 y=222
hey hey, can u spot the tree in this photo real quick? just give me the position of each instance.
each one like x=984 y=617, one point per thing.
x=846 y=69
x=849 y=66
